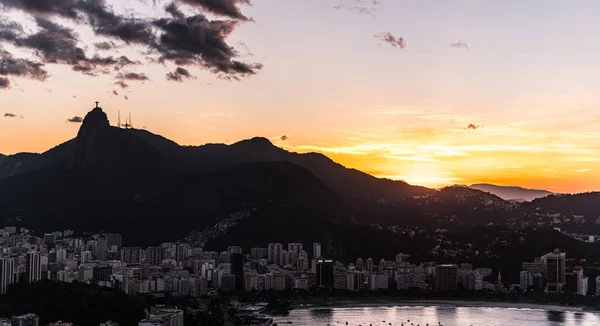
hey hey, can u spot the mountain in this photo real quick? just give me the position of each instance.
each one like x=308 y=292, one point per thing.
x=152 y=190
x=511 y=193
x=587 y=204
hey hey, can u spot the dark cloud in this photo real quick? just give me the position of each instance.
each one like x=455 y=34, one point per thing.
x=132 y=76
x=115 y=93
x=11 y=66
x=397 y=42
x=126 y=97
x=75 y=119
x=179 y=74
x=10 y=115
x=122 y=84
x=198 y=41
x=181 y=40
x=285 y=137
x=74 y=96
x=460 y=44
x=472 y=127
x=226 y=8
x=104 y=45
x=4 y=83
x=174 y=11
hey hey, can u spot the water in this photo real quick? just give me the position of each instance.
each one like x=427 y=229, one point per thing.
x=432 y=315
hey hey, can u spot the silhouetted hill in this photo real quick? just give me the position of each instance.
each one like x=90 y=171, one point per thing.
x=511 y=193
x=136 y=183
x=578 y=204
x=78 y=303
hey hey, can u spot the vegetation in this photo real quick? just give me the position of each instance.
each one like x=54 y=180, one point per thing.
x=78 y=303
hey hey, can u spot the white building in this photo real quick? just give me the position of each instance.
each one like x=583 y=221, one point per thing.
x=7 y=273
x=583 y=286
x=526 y=280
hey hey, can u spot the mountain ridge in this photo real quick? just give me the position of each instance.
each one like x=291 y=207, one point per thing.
x=512 y=193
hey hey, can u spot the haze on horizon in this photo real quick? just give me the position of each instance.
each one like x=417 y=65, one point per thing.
x=433 y=93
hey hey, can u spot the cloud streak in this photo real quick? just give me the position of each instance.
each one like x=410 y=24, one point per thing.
x=10 y=115
x=75 y=119
x=179 y=75
x=460 y=45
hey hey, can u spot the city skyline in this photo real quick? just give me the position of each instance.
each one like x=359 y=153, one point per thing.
x=456 y=93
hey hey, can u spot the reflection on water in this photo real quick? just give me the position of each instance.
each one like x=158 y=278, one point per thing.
x=435 y=315
x=556 y=316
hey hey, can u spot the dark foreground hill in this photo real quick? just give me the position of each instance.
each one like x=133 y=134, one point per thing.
x=78 y=303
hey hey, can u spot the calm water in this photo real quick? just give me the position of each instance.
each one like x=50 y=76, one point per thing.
x=432 y=315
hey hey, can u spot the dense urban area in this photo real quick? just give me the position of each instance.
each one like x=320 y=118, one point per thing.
x=181 y=283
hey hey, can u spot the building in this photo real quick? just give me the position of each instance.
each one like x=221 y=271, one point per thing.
x=7 y=273
x=114 y=239
x=102 y=273
x=164 y=317
x=234 y=250
x=274 y=253
x=583 y=286
x=578 y=272
x=25 y=320
x=535 y=267
x=131 y=255
x=33 y=268
x=237 y=270
x=526 y=280
x=556 y=273
x=324 y=273
x=181 y=252
x=369 y=265
x=316 y=250
x=154 y=255
x=446 y=277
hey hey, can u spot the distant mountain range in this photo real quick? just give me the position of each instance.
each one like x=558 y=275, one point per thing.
x=250 y=193
x=512 y=193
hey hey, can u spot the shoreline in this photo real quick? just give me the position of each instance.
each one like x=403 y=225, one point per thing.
x=440 y=303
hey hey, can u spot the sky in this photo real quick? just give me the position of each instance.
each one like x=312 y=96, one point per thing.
x=431 y=92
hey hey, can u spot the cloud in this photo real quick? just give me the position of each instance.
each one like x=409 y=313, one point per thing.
x=397 y=42
x=361 y=7
x=115 y=93
x=284 y=137
x=10 y=115
x=472 y=127
x=132 y=76
x=11 y=66
x=4 y=83
x=179 y=74
x=226 y=8
x=584 y=170
x=75 y=119
x=460 y=44
x=183 y=40
x=126 y=97
x=104 y=45
x=122 y=84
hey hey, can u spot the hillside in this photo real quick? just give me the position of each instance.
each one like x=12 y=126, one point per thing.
x=587 y=204
x=511 y=193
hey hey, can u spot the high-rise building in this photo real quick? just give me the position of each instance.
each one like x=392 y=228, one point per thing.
x=556 y=273
x=154 y=255
x=61 y=255
x=234 y=249
x=294 y=250
x=33 y=268
x=237 y=270
x=583 y=286
x=325 y=273
x=131 y=255
x=49 y=239
x=597 y=285
x=526 y=280
x=86 y=256
x=302 y=264
x=7 y=273
x=578 y=272
x=25 y=320
x=181 y=252
x=114 y=239
x=102 y=273
x=360 y=264
x=369 y=265
x=316 y=250
x=446 y=277
x=274 y=253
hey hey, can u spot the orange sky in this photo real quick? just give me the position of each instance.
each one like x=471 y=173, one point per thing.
x=528 y=87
